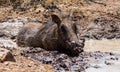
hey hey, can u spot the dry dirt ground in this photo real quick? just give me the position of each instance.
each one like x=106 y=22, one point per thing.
x=24 y=64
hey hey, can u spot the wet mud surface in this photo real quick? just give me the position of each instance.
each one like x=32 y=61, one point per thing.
x=85 y=62
x=60 y=62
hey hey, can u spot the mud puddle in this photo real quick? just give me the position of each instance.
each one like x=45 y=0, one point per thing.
x=103 y=45
x=112 y=68
x=106 y=63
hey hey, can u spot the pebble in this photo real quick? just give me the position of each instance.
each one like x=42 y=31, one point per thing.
x=6 y=55
x=29 y=65
x=108 y=63
x=96 y=66
x=6 y=63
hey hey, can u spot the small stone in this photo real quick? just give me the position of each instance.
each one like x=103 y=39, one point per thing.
x=112 y=58
x=6 y=63
x=29 y=57
x=5 y=55
x=108 y=63
x=38 y=10
x=32 y=9
x=29 y=65
x=96 y=66
x=117 y=58
x=111 y=53
x=63 y=65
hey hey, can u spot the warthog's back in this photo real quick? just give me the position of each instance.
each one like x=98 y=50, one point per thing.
x=37 y=35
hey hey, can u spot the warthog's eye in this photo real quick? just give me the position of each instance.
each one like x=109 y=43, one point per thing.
x=74 y=27
x=64 y=29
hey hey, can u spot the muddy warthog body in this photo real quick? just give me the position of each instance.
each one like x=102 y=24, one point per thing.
x=56 y=34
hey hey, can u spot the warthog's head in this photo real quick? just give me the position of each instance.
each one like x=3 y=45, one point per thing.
x=68 y=35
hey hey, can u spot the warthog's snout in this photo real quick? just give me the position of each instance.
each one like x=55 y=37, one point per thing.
x=76 y=46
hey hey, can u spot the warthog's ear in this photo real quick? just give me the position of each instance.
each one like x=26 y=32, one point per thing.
x=56 y=19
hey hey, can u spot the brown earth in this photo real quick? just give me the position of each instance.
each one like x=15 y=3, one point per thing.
x=86 y=9
x=24 y=64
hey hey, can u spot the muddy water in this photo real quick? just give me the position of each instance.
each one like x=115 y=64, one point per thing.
x=103 y=45
x=105 y=63
x=113 y=68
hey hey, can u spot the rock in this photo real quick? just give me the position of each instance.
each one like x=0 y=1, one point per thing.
x=6 y=63
x=29 y=65
x=108 y=63
x=38 y=10
x=96 y=66
x=5 y=55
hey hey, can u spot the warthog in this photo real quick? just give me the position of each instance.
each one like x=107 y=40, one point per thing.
x=57 y=34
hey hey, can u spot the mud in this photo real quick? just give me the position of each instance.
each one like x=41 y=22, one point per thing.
x=85 y=62
x=102 y=27
x=59 y=61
